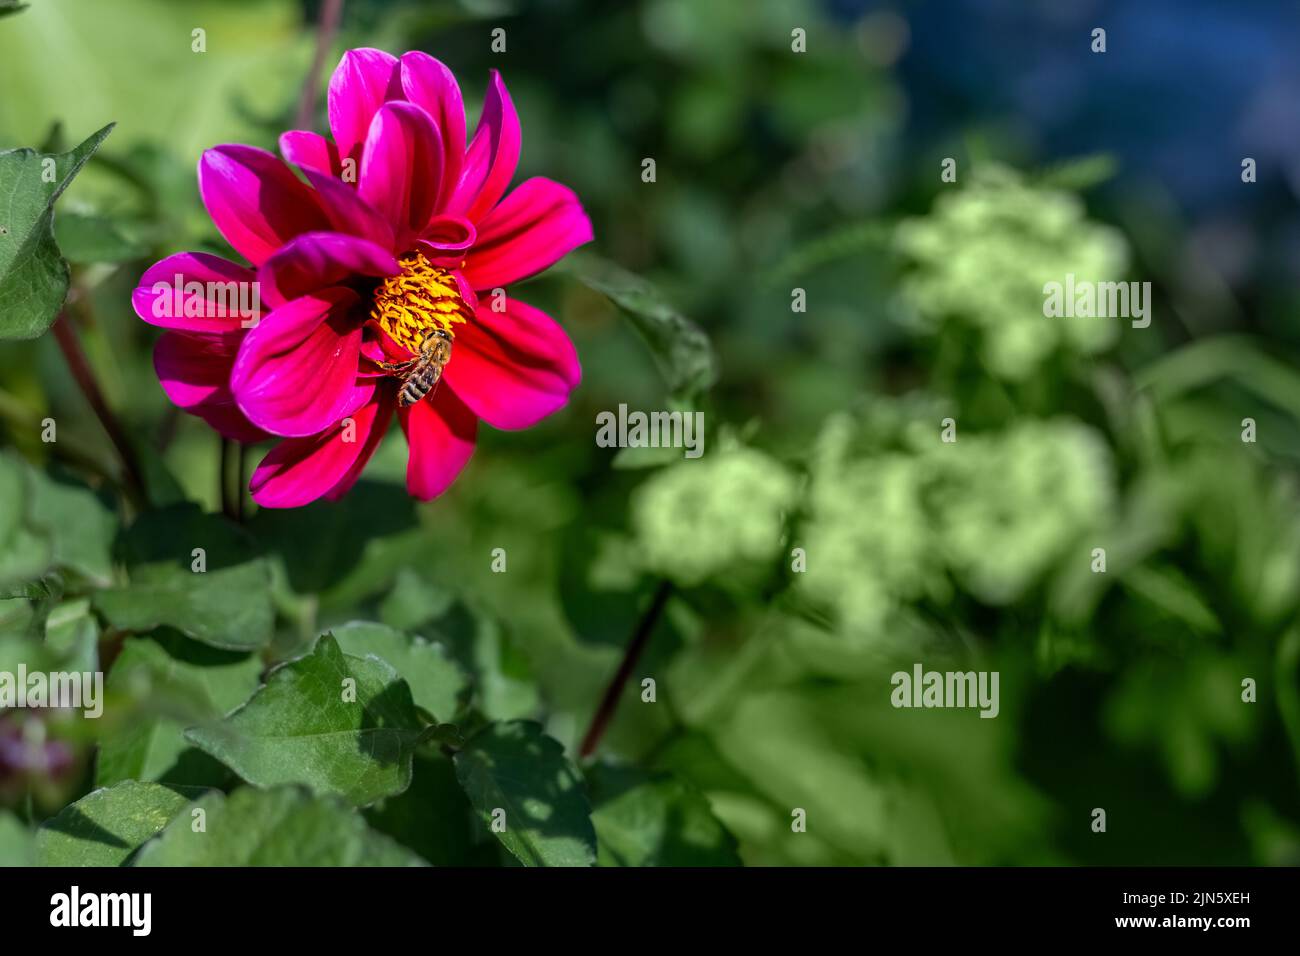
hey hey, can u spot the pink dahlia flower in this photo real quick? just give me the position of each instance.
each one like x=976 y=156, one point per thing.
x=374 y=286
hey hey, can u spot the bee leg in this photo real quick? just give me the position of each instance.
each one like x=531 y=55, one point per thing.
x=397 y=366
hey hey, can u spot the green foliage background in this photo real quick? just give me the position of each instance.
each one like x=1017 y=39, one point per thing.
x=1120 y=691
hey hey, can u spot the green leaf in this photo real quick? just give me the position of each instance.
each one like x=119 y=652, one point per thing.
x=1173 y=594
x=51 y=522
x=299 y=728
x=680 y=347
x=17 y=845
x=853 y=240
x=515 y=768
x=33 y=275
x=505 y=686
x=17 y=620
x=11 y=6
x=659 y=821
x=25 y=554
x=11 y=490
x=286 y=826
x=1080 y=173
x=106 y=826
x=1204 y=362
x=80 y=528
x=436 y=681
x=26 y=557
x=209 y=609
x=86 y=237
x=72 y=633
x=228 y=605
x=414 y=601
x=433 y=816
x=156 y=689
x=16 y=650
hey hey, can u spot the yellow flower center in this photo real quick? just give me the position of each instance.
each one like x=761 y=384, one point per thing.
x=422 y=298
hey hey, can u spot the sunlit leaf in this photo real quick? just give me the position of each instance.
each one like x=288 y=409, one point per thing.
x=436 y=681
x=285 y=826
x=655 y=821
x=106 y=826
x=528 y=794
x=33 y=274
x=335 y=723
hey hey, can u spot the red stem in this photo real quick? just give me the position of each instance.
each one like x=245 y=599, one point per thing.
x=66 y=335
x=241 y=481
x=609 y=702
x=330 y=14
x=223 y=477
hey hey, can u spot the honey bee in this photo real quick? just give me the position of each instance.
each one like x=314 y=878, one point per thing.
x=420 y=375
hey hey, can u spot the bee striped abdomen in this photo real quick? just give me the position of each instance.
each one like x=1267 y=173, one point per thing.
x=420 y=384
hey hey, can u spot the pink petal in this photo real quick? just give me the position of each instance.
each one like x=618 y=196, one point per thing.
x=512 y=368
x=297 y=471
x=346 y=211
x=349 y=213
x=308 y=150
x=467 y=293
x=441 y=432
x=194 y=371
x=492 y=157
x=446 y=240
x=362 y=82
x=317 y=260
x=377 y=347
x=430 y=85
x=194 y=368
x=227 y=294
x=446 y=234
x=401 y=169
x=383 y=406
x=532 y=228
x=255 y=201
x=296 y=373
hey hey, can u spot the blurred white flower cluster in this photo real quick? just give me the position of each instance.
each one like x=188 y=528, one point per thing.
x=981 y=259
x=721 y=515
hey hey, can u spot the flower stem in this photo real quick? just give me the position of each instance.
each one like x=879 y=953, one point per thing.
x=230 y=478
x=330 y=13
x=640 y=638
x=241 y=481
x=223 y=478
x=66 y=335
x=19 y=418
